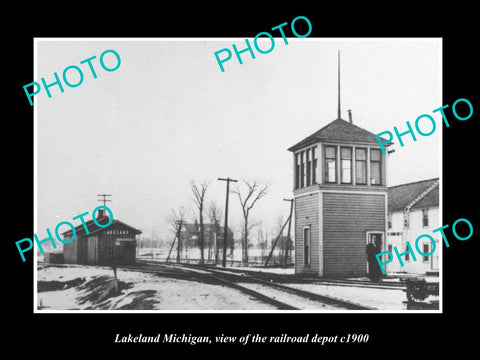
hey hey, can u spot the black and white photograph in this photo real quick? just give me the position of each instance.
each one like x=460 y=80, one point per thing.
x=230 y=181
x=313 y=196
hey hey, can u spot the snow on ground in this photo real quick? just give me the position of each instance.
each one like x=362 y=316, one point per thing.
x=382 y=299
x=88 y=288
x=145 y=292
x=299 y=302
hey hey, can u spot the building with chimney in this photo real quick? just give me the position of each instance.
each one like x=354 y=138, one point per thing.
x=100 y=246
x=340 y=192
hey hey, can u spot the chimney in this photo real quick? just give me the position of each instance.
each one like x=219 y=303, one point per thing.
x=100 y=213
x=350 y=116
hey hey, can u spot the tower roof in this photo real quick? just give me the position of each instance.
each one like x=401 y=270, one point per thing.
x=338 y=130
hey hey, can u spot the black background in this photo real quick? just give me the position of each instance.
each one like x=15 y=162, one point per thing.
x=416 y=335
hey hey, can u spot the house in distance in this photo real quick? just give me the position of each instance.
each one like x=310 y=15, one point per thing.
x=101 y=245
x=213 y=238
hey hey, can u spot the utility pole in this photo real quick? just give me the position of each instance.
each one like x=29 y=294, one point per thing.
x=179 y=223
x=289 y=221
x=288 y=231
x=179 y=243
x=104 y=198
x=171 y=247
x=113 y=258
x=225 y=230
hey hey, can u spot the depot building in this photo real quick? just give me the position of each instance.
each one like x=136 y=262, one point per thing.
x=340 y=197
x=100 y=245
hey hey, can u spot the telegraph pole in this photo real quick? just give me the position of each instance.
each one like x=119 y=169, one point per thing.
x=104 y=200
x=225 y=233
x=179 y=243
x=289 y=221
x=288 y=231
x=114 y=257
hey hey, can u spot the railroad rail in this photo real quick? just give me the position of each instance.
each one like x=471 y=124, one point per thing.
x=264 y=290
x=189 y=275
x=233 y=279
x=281 y=278
x=207 y=277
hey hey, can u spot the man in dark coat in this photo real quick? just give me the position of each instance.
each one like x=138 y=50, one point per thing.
x=373 y=266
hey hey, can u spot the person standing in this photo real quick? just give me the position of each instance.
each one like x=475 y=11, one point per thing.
x=373 y=267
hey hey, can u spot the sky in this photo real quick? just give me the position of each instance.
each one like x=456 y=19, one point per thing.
x=168 y=115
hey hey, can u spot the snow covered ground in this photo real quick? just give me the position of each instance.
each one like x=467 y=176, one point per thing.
x=382 y=299
x=143 y=291
x=299 y=302
x=92 y=288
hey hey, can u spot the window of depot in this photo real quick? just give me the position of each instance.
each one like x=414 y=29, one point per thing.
x=330 y=164
x=375 y=167
x=361 y=166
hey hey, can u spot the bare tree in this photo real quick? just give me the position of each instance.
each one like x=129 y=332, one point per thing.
x=176 y=220
x=255 y=190
x=199 y=198
x=215 y=214
x=251 y=224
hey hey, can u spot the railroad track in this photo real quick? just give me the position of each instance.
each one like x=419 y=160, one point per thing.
x=191 y=274
x=389 y=285
x=334 y=282
x=362 y=284
x=279 y=295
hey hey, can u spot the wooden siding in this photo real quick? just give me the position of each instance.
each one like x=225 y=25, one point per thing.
x=81 y=249
x=92 y=246
x=77 y=251
x=107 y=248
x=346 y=219
x=70 y=251
x=306 y=214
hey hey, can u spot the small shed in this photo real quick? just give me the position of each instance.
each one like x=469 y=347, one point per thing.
x=99 y=245
x=53 y=257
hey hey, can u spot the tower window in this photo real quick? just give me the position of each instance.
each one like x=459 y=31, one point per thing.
x=297 y=171
x=330 y=164
x=361 y=166
x=305 y=168
x=314 y=166
x=309 y=167
x=302 y=169
x=375 y=167
x=346 y=165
